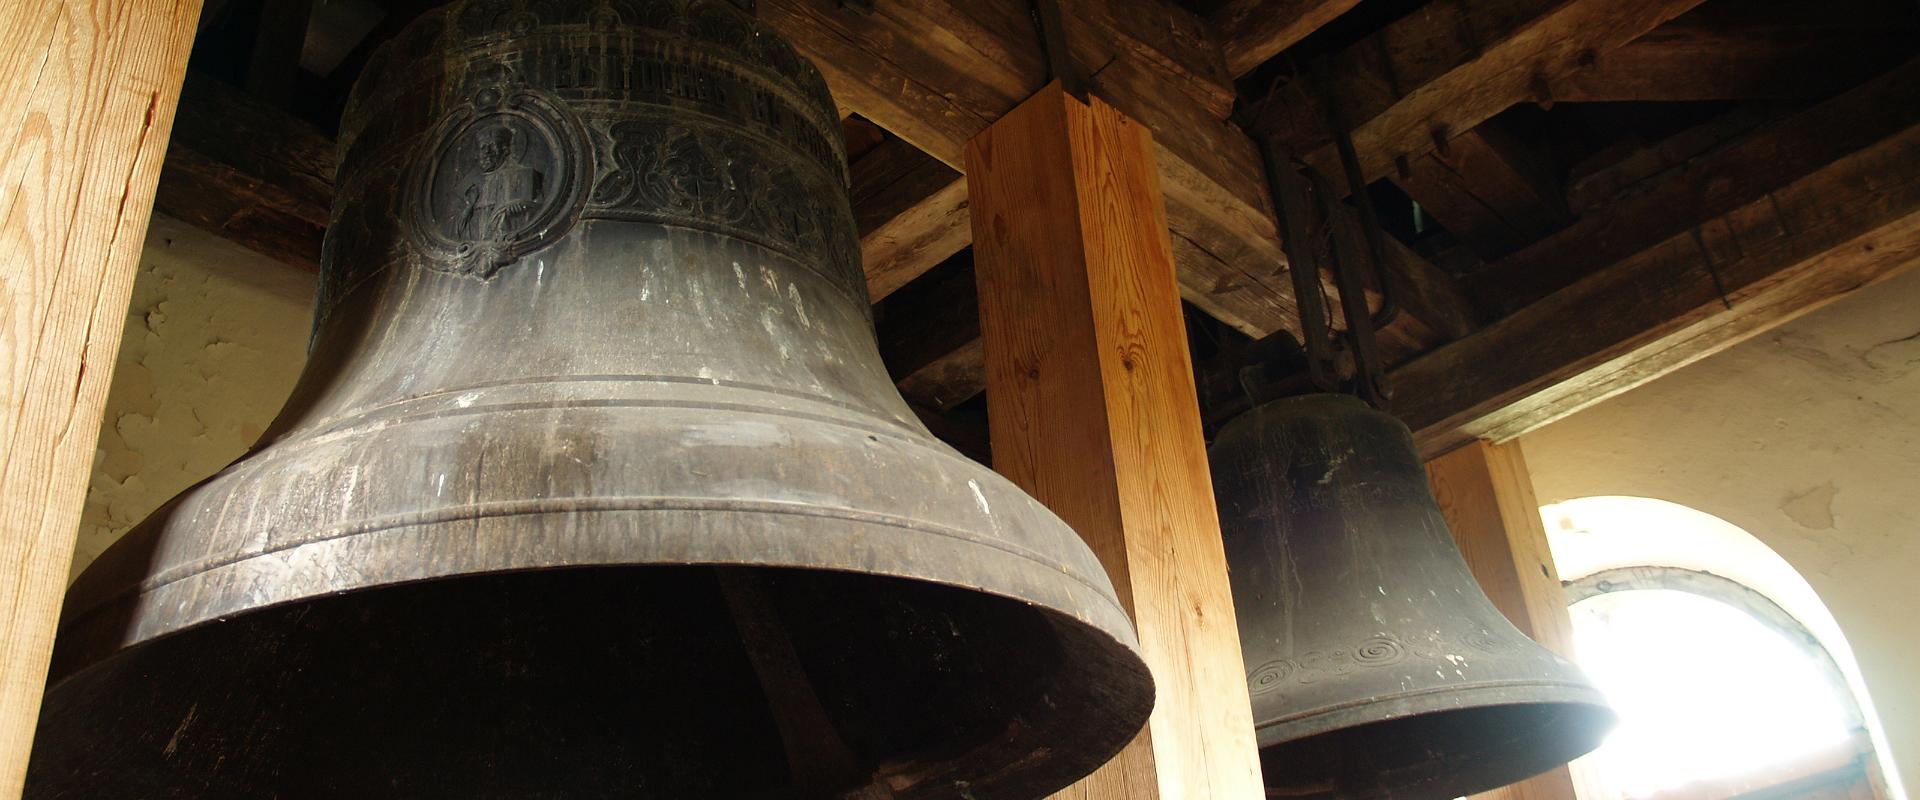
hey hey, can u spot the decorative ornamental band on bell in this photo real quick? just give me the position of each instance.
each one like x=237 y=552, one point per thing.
x=594 y=483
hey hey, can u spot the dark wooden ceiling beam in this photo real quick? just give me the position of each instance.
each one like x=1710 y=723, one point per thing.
x=1450 y=65
x=1253 y=31
x=911 y=211
x=1717 y=182
x=935 y=73
x=1493 y=190
x=248 y=172
x=1727 y=275
x=1736 y=56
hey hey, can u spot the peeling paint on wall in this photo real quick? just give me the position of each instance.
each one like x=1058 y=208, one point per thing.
x=1813 y=508
x=215 y=337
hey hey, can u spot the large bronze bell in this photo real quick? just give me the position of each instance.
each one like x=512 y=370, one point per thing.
x=595 y=485
x=1377 y=666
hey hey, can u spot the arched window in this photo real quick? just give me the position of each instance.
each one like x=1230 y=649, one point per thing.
x=1730 y=676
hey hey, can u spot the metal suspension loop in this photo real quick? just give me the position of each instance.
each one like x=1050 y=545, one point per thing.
x=1290 y=201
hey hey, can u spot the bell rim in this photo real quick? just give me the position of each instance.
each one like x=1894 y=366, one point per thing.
x=1573 y=734
x=1125 y=665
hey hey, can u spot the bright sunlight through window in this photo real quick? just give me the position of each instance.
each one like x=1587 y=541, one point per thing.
x=1704 y=690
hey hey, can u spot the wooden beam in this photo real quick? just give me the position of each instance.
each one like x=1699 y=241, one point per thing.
x=929 y=320
x=1092 y=410
x=1487 y=497
x=90 y=92
x=1253 y=31
x=1727 y=277
x=274 y=64
x=1713 y=184
x=1450 y=65
x=911 y=211
x=1709 y=56
x=1494 y=190
x=248 y=172
x=936 y=73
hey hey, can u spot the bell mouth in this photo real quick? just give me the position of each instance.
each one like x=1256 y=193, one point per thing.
x=1445 y=744
x=655 y=681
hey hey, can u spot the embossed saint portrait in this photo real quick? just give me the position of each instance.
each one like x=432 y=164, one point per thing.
x=501 y=192
x=500 y=179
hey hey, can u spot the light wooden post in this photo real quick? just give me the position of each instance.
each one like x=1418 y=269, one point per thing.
x=1488 y=500
x=1091 y=401
x=87 y=93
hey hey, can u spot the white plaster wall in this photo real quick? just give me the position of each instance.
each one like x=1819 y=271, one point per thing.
x=215 y=336
x=1808 y=437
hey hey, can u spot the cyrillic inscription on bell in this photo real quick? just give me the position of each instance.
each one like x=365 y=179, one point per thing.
x=594 y=484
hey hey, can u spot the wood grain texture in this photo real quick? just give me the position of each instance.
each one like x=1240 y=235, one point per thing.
x=1450 y=65
x=249 y=173
x=1252 y=31
x=1092 y=410
x=1849 y=224
x=936 y=73
x=1487 y=497
x=91 y=89
x=1736 y=53
x=1494 y=190
x=1711 y=184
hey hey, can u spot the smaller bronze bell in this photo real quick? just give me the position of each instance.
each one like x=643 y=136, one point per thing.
x=1377 y=666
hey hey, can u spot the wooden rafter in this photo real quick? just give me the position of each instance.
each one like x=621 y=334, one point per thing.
x=1728 y=275
x=1253 y=31
x=1717 y=182
x=1741 y=52
x=1452 y=64
x=1493 y=190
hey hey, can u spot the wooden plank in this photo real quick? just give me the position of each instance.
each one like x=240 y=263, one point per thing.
x=1846 y=225
x=1092 y=410
x=1253 y=31
x=91 y=89
x=248 y=172
x=1741 y=53
x=1450 y=65
x=1715 y=183
x=911 y=211
x=1487 y=497
x=936 y=73
x=1494 y=190
x=929 y=320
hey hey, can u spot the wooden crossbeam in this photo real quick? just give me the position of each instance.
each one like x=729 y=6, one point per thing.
x=1493 y=190
x=1450 y=65
x=935 y=73
x=911 y=211
x=1253 y=31
x=1729 y=275
x=1743 y=52
x=248 y=172
x=1712 y=184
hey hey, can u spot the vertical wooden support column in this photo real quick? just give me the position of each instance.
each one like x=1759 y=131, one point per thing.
x=1488 y=500
x=87 y=92
x=1091 y=400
